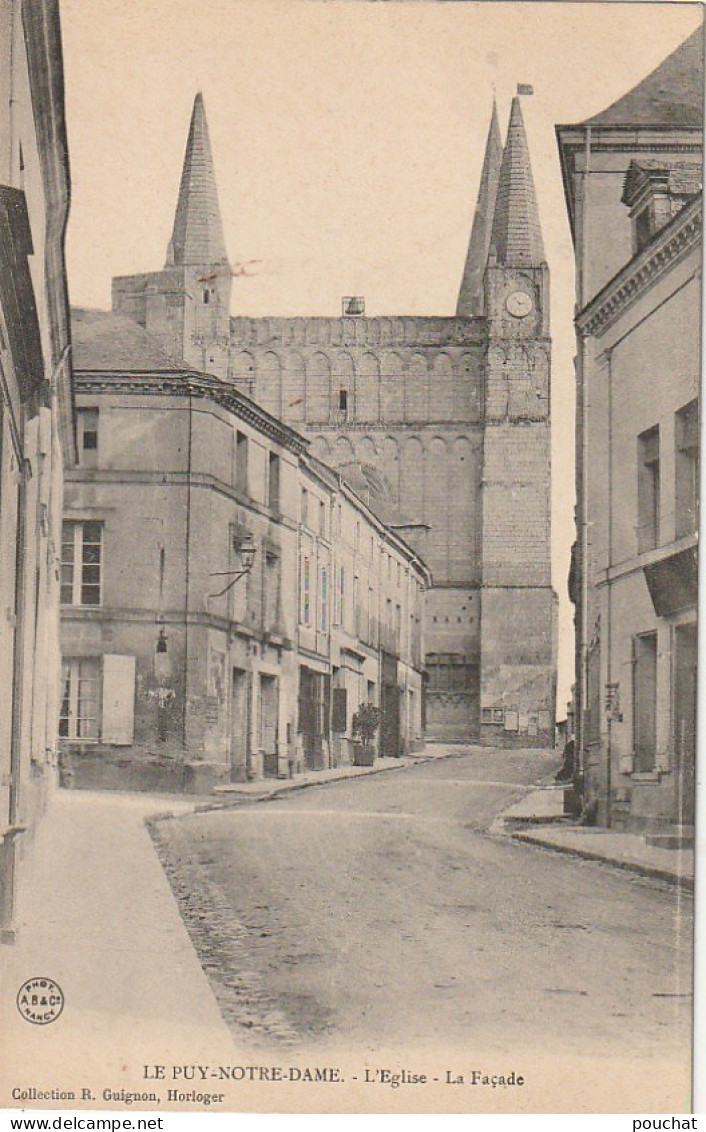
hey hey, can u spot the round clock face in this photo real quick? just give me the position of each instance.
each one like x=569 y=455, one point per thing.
x=519 y=304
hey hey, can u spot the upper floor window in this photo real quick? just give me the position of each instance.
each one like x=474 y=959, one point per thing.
x=273 y=483
x=686 y=469
x=324 y=600
x=306 y=592
x=87 y=437
x=648 y=489
x=241 y=462
x=271 y=591
x=642 y=229
x=339 y=607
x=81 y=559
x=343 y=400
x=322 y=518
x=305 y=508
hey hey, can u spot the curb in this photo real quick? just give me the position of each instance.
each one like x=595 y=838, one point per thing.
x=652 y=871
x=292 y=785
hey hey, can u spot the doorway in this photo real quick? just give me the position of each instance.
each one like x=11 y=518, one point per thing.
x=239 y=726
x=685 y=648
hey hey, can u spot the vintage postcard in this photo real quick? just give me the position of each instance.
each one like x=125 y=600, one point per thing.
x=349 y=475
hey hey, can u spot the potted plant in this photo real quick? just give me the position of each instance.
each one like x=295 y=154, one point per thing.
x=364 y=725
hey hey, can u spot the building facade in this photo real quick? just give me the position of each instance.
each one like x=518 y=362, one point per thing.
x=632 y=177
x=441 y=424
x=36 y=417
x=215 y=623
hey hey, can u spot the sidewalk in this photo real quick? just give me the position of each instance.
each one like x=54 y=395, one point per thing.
x=538 y=819
x=97 y=915
x=266 y=788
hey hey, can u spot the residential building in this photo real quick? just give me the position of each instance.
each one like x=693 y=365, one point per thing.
x=36 y=418
x=632 y=177
x=442 y=425
x=203 y=582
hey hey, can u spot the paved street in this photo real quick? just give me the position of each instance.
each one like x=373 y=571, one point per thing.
x=378 y=912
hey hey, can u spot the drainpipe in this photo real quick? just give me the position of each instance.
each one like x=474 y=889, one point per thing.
x=582 y=491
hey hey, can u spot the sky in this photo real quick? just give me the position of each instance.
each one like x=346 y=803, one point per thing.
x=348 y=139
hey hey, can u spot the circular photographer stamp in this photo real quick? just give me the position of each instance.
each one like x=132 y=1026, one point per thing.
x=40 y=1000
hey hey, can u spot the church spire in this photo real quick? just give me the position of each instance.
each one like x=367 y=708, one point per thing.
x=197 y=236
x=470 y=296
x=516 y=237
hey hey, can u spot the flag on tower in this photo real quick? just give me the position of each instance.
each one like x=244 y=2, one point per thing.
x=525 y=88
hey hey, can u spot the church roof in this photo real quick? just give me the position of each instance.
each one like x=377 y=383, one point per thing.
x=671 y=96
x=197 y=236
x=110 y=342
x=470 y=297
x=516 y=237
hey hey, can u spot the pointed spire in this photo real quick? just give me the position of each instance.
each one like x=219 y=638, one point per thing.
x=516 y=237
x=470 y=296
x=197 y=236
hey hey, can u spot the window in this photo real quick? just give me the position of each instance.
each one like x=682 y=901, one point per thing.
x=645 y=701
x=343 y=400
x=643 y=229
x=273 y=483
x=648 y=489
x=305 y=508
x=80 y=700
x=339 y=608
x=322 y=518
x=324 y=600
x=87 y=437
x=241 y=463
x=81 y=552
x=357 y=611
x=206 y=298
x=271 y=584
x=686 y=471
x=306 y=592
x=493 y=715
x=449 y=672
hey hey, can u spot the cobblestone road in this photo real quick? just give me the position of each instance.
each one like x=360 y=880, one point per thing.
x=378 y=912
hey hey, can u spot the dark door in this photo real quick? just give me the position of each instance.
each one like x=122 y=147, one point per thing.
x=311 y=712
x=685 y=721
x=390 y=721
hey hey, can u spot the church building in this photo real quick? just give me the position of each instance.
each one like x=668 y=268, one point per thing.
x=441 y=424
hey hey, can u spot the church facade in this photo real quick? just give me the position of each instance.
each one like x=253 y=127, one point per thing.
x=441 y=424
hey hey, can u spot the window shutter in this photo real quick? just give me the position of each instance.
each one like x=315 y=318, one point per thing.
x=118 y=700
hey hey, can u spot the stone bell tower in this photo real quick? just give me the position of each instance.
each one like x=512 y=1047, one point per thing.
x=186 y=306
x=518 y=605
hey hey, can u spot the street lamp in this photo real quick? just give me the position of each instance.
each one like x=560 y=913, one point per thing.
x=246 y=550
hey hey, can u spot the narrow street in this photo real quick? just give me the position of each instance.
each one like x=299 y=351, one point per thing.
x=378 y=913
